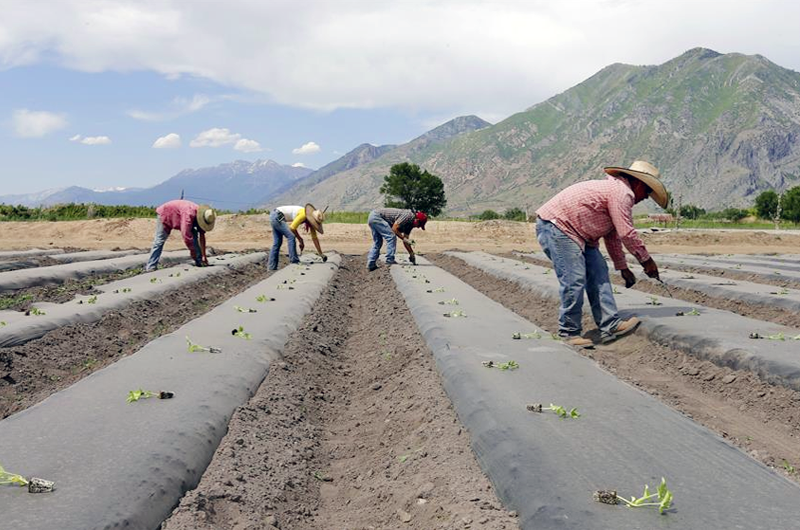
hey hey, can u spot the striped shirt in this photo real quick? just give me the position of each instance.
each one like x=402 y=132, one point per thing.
x=590 y=210
x=405 y=218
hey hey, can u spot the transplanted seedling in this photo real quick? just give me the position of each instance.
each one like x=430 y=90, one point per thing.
x=508 y=365
x=615 y=290
x=92 y=300
x=322 y=478
x=192 y=347
x=693 y=313
x=662 y=498
x=264 y=298
x=136 y=395
x=35 y=311
x=452 y=301
x=437 y=290
x=175 y=275
x=241 y=333
x=282 y=286
x=653 y=301
x=3 y=323
x=783 y=291
x=245 y=310
x=557 y=409
x=534 y=335
x=455 y=314
x=35 y=485
x=155 y=280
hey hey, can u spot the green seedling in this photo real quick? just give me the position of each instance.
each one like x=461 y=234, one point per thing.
x=533 y=335
x=455 y=314
x=241 y=333
x=35 y=311
x=11 y=478
x=175 y=275
x=693 y=313
x=3 y=323
x=777 y=336
x=547 y=271
x=615 y=290
x=653 y=301
x=322 y=478
x=662 y=498
x=245 y=310
x=452 y=301
x=789 y=468
x=509 y=365
x=403 y=458
x=282 y=286
x=123 y=290
x=562 y=413
x=136 y=395
x=689 y=277
x=155 y=280
x=437 y=290
x=263 y=298
x=192 y=347
x=783 y=291
x=92 y=300
x=738 y=266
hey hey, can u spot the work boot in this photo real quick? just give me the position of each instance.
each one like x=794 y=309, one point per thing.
x=371 y=267
x=578 y=341
x=626 y=327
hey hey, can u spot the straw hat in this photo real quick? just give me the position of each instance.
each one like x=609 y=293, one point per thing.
x=648 y=174
x=206 y=217
x=315 y=217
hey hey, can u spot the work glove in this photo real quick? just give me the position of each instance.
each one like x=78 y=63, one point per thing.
x=412 y=259
x=651 y=269
x=629 y=278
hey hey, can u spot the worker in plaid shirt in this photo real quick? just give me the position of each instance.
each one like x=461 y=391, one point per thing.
x=569 y=227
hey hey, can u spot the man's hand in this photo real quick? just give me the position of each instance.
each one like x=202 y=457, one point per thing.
x=301 y=243
x=650 y=268
x=629 y=277
x=323 y=256
x=412 y=258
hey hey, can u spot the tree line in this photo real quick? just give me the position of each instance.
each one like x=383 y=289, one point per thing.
x=769 y=205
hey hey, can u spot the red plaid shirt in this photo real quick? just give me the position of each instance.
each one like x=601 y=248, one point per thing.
x=590 y=210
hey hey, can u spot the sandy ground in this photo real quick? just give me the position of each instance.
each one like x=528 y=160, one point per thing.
x=238 y=232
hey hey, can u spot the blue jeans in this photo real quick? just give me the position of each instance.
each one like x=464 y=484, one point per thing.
x=380 y=231
x=578 y=271
x=158 y=245
x=280 y=228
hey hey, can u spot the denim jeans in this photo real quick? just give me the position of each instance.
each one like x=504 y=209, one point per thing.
x=380 y=231
x=158 y=245
x=280 y=228
x=578 y=271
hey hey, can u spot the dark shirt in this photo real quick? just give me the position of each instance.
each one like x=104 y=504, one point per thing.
x=405 y=218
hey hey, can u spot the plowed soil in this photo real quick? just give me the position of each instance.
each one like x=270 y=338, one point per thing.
x=762 y=419
x=350 y=430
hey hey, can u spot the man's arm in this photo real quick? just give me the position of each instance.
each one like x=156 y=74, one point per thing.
x=203 y=257
x=404 y=238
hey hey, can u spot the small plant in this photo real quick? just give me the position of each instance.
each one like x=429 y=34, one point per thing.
x=562 y=413
x=777 y=336
x=11 y=478
x=123 y=290
x=241 y=333
x=437 y=290
x=282 y=286
x=175 y=275
x=455 y=314
x=136 y=395
x=192 y=347
x=533 y=335
x=693 y=313
x=263 y=298
x=92 y=300
x=452 y=301
x=509 y=365
x=3 y=323
x=662 y=498
x=403 y=458
x=245 y=310
x=547 y=271
x=653 y=300
x=789 y=468
x=615 y=290
x=322 y=478
x=155 y=280
x=687 y=277
x=35 y=311
x=783 y=291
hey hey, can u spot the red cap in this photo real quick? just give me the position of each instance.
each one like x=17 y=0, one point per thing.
x=421 y=219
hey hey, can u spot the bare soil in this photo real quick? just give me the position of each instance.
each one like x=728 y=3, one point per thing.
x=32 y=371
x=350 y=430
x=762 y=419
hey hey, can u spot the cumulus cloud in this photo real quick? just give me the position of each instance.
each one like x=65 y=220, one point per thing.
x=247 y=146
x=91 y=140
x=215 y=138
x=298 y=164
x=170 y=141
x=306 y=149
x=36 y=124
x=465 y=55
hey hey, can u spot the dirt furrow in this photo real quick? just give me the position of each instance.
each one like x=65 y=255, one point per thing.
x=351 y=429
x=31 y=372
x=762 y=419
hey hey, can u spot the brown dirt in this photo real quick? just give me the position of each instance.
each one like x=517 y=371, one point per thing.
x=763 y=312
x=762 y=419
x=350 y=430
x=31 y=372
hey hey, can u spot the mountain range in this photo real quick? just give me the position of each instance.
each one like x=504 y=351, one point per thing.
x=721 y=129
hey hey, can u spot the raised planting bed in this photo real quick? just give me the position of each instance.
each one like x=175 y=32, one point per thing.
x=57 y=274
x=774 y=273
x=126 y=465
x=709 y=334
x=547 y=467
x=16 y=254
x=19 y=328
x=91 y=255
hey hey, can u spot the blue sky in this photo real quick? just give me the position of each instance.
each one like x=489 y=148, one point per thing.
x=128 y=93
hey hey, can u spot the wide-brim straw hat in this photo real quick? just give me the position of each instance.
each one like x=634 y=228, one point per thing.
x=206 y=217
x=315 y=218
x=647 y=173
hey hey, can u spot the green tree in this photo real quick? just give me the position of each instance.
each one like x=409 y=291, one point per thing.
x=488 y=215
x=790 y=207
x=734 y=214
x=407 y=187
x=689 y=211
x=767 y=204
x=514 y=214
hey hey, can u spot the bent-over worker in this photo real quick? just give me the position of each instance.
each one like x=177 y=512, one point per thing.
x=192 y=220
x=389 y=224
x=285 y=220
x=569 y=227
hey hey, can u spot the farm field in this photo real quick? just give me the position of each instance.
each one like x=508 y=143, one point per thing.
x=323 y=396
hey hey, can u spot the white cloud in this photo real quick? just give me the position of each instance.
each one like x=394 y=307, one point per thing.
x=178 y=107
x=306 y=149
x=170 y=141
x=36 y=124
x=215 y=138
x=91 y=140
x=298 y=164
x=247 y=146
x=465 y=55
